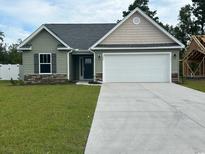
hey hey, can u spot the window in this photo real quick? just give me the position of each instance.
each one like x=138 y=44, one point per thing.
x=88 y=61
x=45 y=63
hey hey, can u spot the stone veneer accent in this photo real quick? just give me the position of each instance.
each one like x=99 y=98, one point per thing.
x=99 y=76
x=175 y=77
x=39 y=78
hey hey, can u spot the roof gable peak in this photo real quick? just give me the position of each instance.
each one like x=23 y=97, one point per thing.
x=138 y=10
x=42 y=27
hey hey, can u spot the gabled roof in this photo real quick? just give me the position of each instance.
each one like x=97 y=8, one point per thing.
x=179 y=44
x=80 y=36
x=74 y=36
x=42 y=27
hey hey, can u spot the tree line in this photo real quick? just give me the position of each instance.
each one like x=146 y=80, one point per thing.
x=9 y=54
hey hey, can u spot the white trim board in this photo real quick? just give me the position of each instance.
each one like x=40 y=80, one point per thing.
x=63 y=49
x=28 y=49
x=37 y=32
x=146 y=17
x=142 y=48
x=68 y=64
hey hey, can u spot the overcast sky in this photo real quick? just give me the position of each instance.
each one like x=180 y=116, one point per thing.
x=19 y=18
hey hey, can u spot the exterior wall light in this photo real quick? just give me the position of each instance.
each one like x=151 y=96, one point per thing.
x=99 y=56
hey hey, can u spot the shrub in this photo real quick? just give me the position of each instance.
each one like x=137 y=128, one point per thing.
x=21 y=82
x=13 y=82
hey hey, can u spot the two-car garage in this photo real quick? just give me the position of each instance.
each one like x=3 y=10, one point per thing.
x=137 y=67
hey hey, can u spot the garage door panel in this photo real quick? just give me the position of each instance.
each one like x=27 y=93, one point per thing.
x=136 y=68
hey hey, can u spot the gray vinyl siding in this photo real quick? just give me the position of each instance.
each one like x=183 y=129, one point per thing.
x=44 y=43
x=143 y=33
x=175 y=60
x=71 y=77
x=28 y=62
x=61 y=60
x=54 y=63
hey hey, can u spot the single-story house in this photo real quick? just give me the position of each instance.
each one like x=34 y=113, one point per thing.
x=136 y=49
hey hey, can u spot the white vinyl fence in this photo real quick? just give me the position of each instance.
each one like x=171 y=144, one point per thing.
x=9 y=71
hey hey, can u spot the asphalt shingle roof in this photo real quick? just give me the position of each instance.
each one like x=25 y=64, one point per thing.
x=80 y=36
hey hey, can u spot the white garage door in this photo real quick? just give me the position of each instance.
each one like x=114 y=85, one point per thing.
x=139 y=67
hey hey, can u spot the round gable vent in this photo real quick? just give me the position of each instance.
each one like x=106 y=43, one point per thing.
x=136 y=20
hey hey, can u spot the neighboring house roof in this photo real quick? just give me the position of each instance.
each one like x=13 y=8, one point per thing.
x=80 y=36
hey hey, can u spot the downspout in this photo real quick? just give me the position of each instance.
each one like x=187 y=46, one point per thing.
x=68 y=63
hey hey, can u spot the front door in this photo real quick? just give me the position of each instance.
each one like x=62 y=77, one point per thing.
x=86 y=68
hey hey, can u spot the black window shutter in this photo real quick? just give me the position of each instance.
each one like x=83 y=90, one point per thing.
x=54 y=63
x=36 y=63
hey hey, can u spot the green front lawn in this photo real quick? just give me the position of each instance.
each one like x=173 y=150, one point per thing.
x=195 y=84
x=45 y=118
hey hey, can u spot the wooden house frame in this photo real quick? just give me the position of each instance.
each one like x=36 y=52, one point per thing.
x=194 y=60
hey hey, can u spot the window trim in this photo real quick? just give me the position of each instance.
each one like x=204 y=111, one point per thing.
x=45 y=63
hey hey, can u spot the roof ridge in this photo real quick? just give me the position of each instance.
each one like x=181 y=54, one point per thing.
x=79 y=23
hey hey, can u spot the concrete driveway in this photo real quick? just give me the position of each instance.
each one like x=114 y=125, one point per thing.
x=144 y=118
